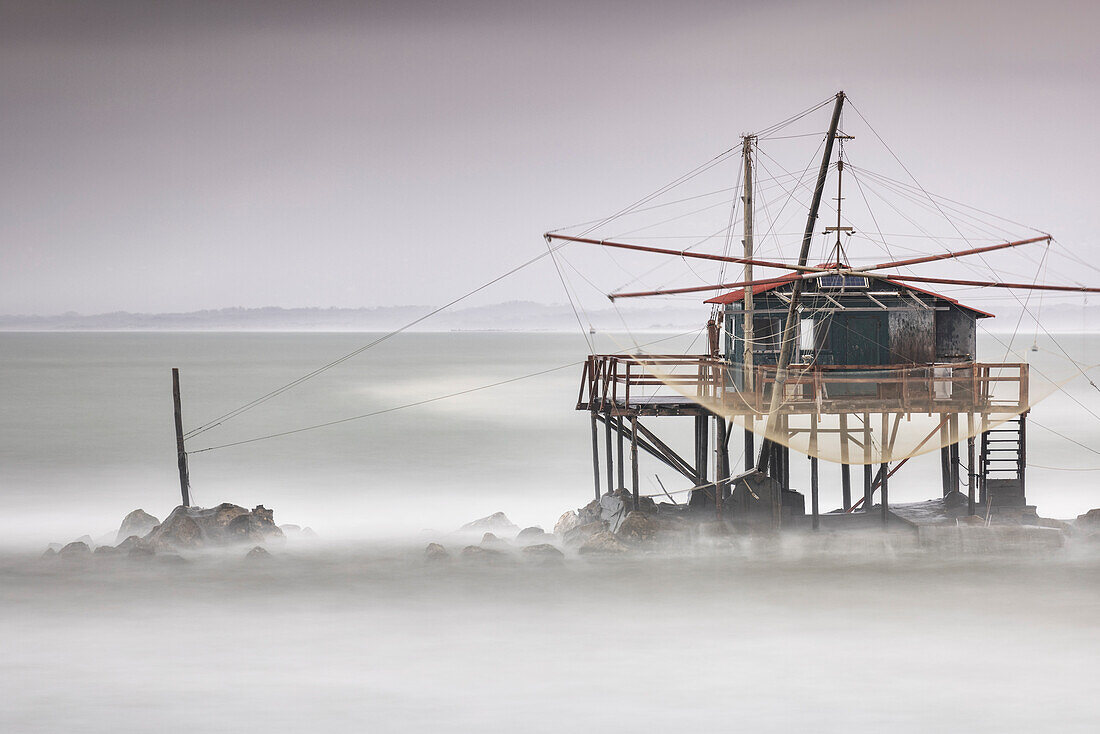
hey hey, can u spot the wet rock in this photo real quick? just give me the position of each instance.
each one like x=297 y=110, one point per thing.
x=533 y=536
x=49 y=554
x=481 y=554
x=567 y=522
x=491 y=541
x=129 y=543
x=139 y=522
x=290 y=530
x=543 y=554
x=189 y=528
x=435 y=553
x=172 y=559
x=1090 y=521
x=105 y=550
x=308 y=533
x=603 y=542
x=141 y=551
x=639 y=527
x=75 y=550
x=498 y=522
x=580 y=534
x=257 y=553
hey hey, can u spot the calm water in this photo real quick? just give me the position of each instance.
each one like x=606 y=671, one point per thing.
x=355 y=633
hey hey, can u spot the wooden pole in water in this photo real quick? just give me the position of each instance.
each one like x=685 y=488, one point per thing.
x=884 y=487
x=634 y=458
x=608 y=420
x=595 y=455
x=845 y=467
x=181 y=453
x=868 y=478
x=814 y=505
x=621 y=468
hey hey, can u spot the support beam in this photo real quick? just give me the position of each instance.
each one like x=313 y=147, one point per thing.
x=610 y=462
x=750 y=452
x=634 y=458
x=815 y=509
x=595 y=454
x=885 y=491
x=955 y=463
x=722 y=464
x=845 y=466
x=868 y=471
x=181 y=453
x=621 y=466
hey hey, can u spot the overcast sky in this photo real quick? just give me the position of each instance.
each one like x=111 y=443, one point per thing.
x=176 y=156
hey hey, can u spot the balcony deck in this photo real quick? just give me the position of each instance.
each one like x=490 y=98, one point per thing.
x=655 y=385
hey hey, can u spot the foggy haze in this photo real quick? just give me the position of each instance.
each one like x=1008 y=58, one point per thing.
x=175 y=157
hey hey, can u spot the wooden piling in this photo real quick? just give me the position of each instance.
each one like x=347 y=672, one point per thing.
x=634 y=458
x=845 y=466
x=621 y=467
x=750 y=452
x=608 y=420
x=868 y=472
x=181 y=453
x=884 y=489
x=814 y=504
x=595 y=454
x=722 y=465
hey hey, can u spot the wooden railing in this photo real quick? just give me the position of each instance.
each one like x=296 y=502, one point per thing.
x=626 y=381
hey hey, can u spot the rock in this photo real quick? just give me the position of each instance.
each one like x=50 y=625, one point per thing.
x=491 y=541
x=75 y=550
x=603 y=542
x=188 y=528
x=174 y=559
x=257 y=553
x=49 y=554
x=639 y=527
x=87 y=540
x=141 y=551
x=308 y=533
x=714 y=530
x=1089 y=521
x=139 y=522
x=543 y=554
x=498 y=522
x=567 y=522
x=128 y=543
x=436 y=553
x=580 y=534
x=291 y=531
x=533 y=536
x=55 y=546
x=482 y=554
x=105 y=550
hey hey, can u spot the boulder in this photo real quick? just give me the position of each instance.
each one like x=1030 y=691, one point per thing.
x=141 y=551
x=603 y=542
x=481 y=554
x=259 y=553
x=498 y=522
x=533 y=536
x=491 y=541
x=1090 y=521
x=129 y=543
x=189 y=528
x=578 y=535
x=640 y=528
x=105 y=550
x=543 y=554
x=291 y=531
x=436 y=553
x=567 y=522
x=139 y=522
x=49 y=554
x=308 y=533
x=76 y=550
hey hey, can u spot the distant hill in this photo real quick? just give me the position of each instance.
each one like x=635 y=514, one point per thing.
x=510 y=316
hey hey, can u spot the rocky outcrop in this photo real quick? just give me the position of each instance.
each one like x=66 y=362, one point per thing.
x=604 y=542
x=497 y=523
x=76 y=550
x=482 y=555
x=491 y=541
x=259 y=553
x=191 y=528
x=139 y=522
x=1089 y=522
x=532 y=536
x=436 y=553
x=578 y=535
x=543 y=554
x=639 y=528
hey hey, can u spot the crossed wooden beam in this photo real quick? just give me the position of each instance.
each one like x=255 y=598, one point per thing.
x=802 y=272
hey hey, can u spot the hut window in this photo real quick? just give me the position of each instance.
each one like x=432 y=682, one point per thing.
x=806 y=335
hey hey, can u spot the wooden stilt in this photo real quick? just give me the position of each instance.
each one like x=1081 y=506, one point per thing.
x=634 y=458
x=868 y=472
x=607 y=453
x=814 y=505
x=595 y=455
x=621 y=467
x=750 y=452
x=181 y=453
x=722 y=463
x=845 y=466
x=884 y=486
x=955 y=463
x=971 y=507
x=945 y=457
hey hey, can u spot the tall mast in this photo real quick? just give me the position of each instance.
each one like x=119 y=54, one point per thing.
x=778 y=388
x=746 y=154
x=838 y=248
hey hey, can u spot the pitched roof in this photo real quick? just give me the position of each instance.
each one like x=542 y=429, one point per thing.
x=739 y=294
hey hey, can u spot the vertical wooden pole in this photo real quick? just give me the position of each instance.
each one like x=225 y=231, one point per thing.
x=814 y=505
x=634 y=458
x=1022 y=465
x=868 y=472
x=884 y=487
x=702 y=424
x=971 y=507
x=954 y=436
x=621 y=467
x=845 y=467
x=595 y=455
x=750 y=452
x=722 y=473
x=945 y=457
x=181 y=453
x=608 y=420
